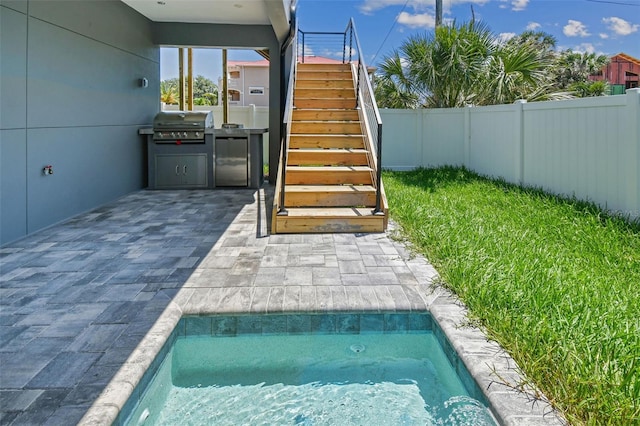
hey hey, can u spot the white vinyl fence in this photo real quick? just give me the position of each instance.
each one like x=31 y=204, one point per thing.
x=588 y=148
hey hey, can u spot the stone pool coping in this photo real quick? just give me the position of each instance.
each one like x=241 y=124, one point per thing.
x=485 y=360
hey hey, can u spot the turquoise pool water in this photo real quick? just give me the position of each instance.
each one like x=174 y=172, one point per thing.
x=348 y=370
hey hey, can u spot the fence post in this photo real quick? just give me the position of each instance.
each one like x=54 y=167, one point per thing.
x=420 y=137
x=467 y=136
x=252 y=115
x=519 y=136
x=633 y=118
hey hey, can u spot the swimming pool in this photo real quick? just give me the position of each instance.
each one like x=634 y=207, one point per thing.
x=319 y=369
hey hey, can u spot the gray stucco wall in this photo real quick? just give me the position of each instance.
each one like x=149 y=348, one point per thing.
x=234 y=36
x=69 y=97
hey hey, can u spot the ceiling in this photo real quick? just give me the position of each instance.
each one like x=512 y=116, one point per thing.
x=243 y=12
x=239 y=12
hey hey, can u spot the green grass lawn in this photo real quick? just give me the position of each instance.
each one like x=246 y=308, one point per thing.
x=555 y=281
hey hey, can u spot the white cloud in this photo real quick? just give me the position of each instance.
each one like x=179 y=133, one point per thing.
x=620 y=26
x=367 y=7
x=336 y=54
x=505 y=37
x=418 y=20
x=575 y=29
x=585 y=48
x=519 y=5
x=532 y=26
x=604 y=36
x=516 y=5
x=308 y=51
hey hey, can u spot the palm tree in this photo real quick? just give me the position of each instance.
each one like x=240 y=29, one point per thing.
x=205 y=91
x=583 y=89
x=517 y=72
x=575 y=67
x=168 y=92
x=542 y=40
x=462 y=64
x=393 y=88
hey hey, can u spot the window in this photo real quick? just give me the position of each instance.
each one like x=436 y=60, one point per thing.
x=234 y=95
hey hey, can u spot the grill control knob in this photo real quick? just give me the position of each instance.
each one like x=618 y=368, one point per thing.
x=197 y=135
x=173 y=134
x=184 y=134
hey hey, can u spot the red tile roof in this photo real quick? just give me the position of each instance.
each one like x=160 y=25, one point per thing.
x=318 y=60
x=627 y=58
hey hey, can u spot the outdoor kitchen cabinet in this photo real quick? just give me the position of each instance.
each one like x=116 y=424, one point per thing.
x=180 y=166
x=202 y=157
x=181 y=171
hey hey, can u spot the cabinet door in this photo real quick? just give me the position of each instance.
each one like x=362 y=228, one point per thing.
x=194 y=170
x=231 y=164
x=168 y=170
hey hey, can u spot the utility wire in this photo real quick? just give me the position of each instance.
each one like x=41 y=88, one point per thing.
x=614 y=2
x=395 y=21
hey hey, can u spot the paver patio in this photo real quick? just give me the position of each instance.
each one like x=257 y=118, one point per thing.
x=77 y=299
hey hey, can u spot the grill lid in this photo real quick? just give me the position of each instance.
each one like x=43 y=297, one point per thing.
x=183 y=120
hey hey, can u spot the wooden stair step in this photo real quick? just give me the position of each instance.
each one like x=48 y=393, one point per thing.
x=330 y=195
x=333 y=175
x=335 y=103
x=315 y=67
x=323 y=93
x=324 y=75
x=325 y=84
x=326 y=141
x=322 y=127
x=327 y=157
x=325 y=114
x=322 y=220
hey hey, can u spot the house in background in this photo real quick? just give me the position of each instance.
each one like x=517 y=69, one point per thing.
x=247 y=83
x=621 y=72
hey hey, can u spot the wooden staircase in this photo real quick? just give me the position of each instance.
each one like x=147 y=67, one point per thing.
x=330 y=172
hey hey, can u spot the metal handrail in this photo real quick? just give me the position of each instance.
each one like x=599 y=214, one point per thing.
x=365 y=95
x=284 y=135
x=364 y=92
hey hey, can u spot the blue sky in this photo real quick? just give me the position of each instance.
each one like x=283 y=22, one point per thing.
x=600 y=26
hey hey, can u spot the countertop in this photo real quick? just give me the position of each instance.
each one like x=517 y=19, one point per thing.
x=254 y=131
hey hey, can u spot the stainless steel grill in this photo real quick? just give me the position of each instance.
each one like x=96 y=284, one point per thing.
x=181 y=126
